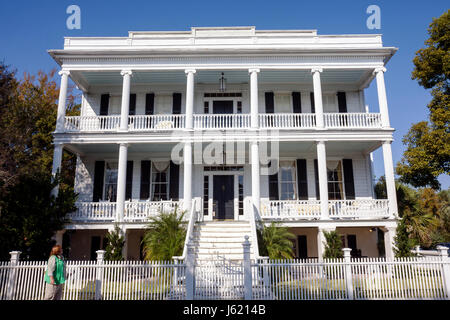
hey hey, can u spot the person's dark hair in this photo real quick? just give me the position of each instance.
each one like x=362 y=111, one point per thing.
x=55 y=250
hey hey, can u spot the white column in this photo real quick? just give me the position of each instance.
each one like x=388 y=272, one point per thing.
x=318 y=97
x=382 y=100
x=390 y=179
x=57 y=159
x=187 y=180
x=321 y=240
x=121 y=181
x=323 y=178
x=125 y=109
x=190 y=98
x=254 y=98
x=255 y=177
x=62 y=100
x=389 y=234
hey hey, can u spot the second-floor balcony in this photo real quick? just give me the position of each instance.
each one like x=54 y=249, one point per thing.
x=281 y=210
x=169 y=122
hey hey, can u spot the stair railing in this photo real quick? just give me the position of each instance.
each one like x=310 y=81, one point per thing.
x=193 y=217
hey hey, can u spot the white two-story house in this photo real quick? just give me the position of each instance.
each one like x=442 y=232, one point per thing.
x=231 y=124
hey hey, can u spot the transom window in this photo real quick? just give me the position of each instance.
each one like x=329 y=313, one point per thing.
x=335 y=180
x=160 y=180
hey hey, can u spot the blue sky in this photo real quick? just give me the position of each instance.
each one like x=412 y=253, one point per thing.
x=29 y=28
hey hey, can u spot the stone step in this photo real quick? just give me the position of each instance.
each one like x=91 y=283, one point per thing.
x=230 y=240
x=219 y=245
x=220 y=250
x=225 y=234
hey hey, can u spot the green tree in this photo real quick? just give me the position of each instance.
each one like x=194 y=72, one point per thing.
x=333 y=245
x=403 y=243
x=427 y=153
x=275 y=241
x=30 y=216
x=165 y=236
x=114 y=244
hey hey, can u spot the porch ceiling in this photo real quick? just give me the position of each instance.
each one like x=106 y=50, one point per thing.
x=329 y=76
x=286 y=149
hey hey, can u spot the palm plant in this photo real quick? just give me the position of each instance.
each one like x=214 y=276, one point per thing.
x=115 y=242
x=275 y=241
x=164 y=236
x=333 y=246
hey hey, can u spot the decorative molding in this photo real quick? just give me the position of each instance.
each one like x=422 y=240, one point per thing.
x=190 y=71
x=65 y=72
x=254 y=70
x=379 y=69
x=126 y=72
x=317 y=69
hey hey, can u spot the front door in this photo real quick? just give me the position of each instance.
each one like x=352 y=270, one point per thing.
x=223 y=106
x=223 y=195
x=302 y=247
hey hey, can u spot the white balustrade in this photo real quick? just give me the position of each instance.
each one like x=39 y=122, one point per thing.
x=352 y=120
x=290 y=209
x=310 y=209
x=91 y=123
x=360 y=208
x=94 y=211
x=287 y=120
x=142 y=210
x=159 y=122
x=221 y=121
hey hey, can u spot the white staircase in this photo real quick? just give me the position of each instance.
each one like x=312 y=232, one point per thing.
x=221 y=240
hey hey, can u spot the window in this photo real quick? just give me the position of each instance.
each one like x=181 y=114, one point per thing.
x=287 y=177
x=110 y=192
x=335 y=180
x=160 y=180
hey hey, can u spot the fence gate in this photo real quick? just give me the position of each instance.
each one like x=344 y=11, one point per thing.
x=219 y=279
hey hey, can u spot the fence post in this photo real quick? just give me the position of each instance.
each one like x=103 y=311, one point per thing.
x=348 y=273
x=99 y=274
x=15 y=255
x=190 y=270
x=247 y=270
x=443 y=252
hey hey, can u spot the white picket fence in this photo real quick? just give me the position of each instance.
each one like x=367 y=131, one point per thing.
x=417 y=278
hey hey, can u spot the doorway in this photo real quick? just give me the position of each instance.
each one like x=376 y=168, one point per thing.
x=223 y=197
x=302 y=247
x=223 y=106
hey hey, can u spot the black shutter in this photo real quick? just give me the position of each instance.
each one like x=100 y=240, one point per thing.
x=316 y=177
x=129 y=179
x=313 y=107
x=132 y=109
x=348 y=179
x=104 y=104
x=174 y=181
x=302 y=180
x=145 y=179
x=176 y=105
x=342 y=102
x=273 y=187
x=149 y=103
x=297 y=102
x=270 y=105
x=99 y=174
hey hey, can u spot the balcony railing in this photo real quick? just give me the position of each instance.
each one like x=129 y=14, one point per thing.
x=352 y=120
x=337 y=209
x=94 y=211
x=361 y=208
x=160 y=122
x=221 y=121
x=135 y=211
x=168 y=122
x=141 y=211
x=290 y=209
x=287 y=120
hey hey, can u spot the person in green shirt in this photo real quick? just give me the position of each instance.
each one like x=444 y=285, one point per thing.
x=55 y=275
